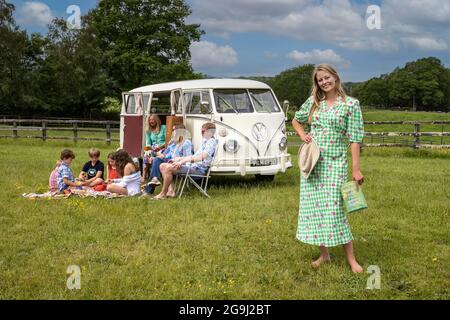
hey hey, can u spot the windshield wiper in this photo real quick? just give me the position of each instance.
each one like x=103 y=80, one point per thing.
x=229 y=105
x=259 y=102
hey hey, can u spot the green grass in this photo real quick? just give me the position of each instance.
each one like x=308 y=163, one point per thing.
x=240 y=244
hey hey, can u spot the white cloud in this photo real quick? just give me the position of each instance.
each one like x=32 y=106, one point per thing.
x=34 y=13
x=270 y=55
x=425 y=43
x=317 y=56
x=209 y=56
x=340 y=22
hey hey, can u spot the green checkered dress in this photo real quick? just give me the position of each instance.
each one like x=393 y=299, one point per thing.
x=322 y=220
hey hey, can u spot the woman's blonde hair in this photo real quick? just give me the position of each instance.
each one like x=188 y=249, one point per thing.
x=158 y=123
x=317 y=92
x=180 y=134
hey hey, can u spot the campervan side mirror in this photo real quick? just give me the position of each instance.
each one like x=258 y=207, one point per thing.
x=286 y=109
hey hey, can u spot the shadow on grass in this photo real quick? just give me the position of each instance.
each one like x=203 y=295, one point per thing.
x=239 y=182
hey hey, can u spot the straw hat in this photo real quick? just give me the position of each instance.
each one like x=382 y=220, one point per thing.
x=308 y=155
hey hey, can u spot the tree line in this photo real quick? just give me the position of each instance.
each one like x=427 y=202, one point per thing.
x=423 y=84
x=81 y=72
x=125 y=44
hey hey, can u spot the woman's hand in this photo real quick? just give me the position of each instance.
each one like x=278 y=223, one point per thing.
x=359 y=178
x=307 y=138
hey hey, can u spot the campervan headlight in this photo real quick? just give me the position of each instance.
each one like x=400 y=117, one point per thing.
x=223 y=132
x=283 y=144
x=231 y=146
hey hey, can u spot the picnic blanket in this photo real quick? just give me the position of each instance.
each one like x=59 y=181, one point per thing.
x=84 y=192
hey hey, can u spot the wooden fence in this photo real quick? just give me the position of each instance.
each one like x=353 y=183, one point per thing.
x=417 y=134
x=109 y=127
x=74 y=126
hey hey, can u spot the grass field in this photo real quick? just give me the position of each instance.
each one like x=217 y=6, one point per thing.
x=240 y=244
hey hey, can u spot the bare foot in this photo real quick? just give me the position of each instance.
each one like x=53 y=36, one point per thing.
x=160 y=197
x=322 y=259
x=356 y=268
x=171 y=195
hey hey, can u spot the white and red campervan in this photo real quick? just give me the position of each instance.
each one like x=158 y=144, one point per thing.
x=250 y=123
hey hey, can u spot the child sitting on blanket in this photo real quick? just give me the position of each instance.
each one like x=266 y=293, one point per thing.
x=64 y=177
x=92 y=173
x=112 y=174
x=52 y=181
x=112 y=169
x=130 y=180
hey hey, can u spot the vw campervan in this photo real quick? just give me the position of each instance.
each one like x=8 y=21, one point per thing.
x=250 y=124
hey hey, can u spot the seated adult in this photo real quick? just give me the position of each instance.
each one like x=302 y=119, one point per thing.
x=155 y=140
x=196 y=164
x=130 y=178
x=180 y=145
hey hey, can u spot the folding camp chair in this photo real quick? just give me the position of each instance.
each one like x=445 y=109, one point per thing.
x=200 y=181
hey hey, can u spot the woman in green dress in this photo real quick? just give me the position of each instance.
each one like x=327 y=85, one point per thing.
x=334 y=118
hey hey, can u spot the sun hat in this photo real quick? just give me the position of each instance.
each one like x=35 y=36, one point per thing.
x=308 y=155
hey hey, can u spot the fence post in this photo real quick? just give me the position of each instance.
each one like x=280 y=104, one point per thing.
x=416 y=135
x=108 y=134
x=44 y=131
x=14 y=129
x=75 y=131
x=442 y=136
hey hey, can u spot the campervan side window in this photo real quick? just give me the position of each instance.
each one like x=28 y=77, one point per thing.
x=146 y=98
x=160 y=103
x=130 y=104
x=263 y=100
x=197 y=102
x=232 y=101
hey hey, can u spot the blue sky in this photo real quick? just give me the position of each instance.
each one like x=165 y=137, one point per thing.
x=265 y=37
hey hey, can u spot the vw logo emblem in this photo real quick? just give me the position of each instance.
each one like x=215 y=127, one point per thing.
x=259 y=131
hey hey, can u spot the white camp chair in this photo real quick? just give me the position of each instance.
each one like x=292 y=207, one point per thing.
x=200 y=181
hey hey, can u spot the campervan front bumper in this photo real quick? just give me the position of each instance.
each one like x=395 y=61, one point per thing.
x=261 y=165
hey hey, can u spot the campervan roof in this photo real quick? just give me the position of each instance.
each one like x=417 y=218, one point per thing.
x=204 y=84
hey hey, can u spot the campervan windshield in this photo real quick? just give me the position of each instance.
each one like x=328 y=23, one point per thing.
x=263 y=100
x=232 y=101
x=238 y=101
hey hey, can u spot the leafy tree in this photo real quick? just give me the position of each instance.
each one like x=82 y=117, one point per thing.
x=373 y=92
x=72 y=80
x=424 y=84
x=144 y=42
x=14 y=47
x=294 y=84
